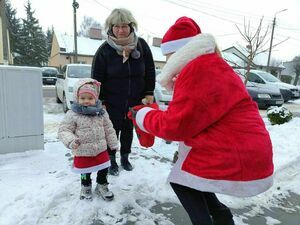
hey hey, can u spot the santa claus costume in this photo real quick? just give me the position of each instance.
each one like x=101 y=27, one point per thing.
x=224 y=145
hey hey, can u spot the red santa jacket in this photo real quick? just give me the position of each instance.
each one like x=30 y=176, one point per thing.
x=225 y=146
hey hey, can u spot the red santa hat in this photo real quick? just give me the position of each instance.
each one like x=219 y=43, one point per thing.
x=180 y=33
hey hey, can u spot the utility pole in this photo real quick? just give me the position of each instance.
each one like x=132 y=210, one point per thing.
x=4 y=33
x=272 y=35
x=75 y=6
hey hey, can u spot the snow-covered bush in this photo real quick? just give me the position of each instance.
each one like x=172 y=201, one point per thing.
x=278 y=115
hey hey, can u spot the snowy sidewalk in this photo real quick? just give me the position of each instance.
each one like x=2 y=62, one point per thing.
x=38 y=187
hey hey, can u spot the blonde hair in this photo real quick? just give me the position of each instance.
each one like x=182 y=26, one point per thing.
x=118 y=16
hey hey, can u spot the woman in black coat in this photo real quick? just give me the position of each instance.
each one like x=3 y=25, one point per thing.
x=124 y=66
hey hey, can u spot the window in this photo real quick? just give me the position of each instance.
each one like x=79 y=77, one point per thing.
x=254 y=78
x=79 y=71
x=268 y=77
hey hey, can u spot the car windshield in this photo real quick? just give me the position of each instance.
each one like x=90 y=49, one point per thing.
x=268 y=77
x=49 y=71
x=79 y=71
x=249 y=83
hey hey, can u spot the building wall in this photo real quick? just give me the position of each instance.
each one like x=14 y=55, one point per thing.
x=58 y=59
x=54 y=55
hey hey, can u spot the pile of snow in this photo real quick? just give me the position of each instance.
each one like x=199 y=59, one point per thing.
x=38 y=187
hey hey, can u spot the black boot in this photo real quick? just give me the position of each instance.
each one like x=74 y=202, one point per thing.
x=114 y=168
x=125 y=163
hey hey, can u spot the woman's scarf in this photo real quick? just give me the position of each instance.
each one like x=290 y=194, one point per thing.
x=95 y=110
x=125 y=46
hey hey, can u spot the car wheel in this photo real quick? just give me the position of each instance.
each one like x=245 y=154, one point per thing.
x=57 y=98
x=65 y=106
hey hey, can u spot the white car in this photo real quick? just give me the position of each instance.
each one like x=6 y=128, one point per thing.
x=161 y=95
x=66 y=79
x=265 y=79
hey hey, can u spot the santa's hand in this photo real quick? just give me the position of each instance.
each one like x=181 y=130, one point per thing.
x=132 y=113
x=149 y=99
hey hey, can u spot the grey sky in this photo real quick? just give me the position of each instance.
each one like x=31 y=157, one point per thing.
x=154 y=17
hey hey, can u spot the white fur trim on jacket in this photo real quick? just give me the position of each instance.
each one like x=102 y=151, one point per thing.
x=140 y=116
x=92 y=168
x=173 y=46
x=200 y=44
x=234 y=188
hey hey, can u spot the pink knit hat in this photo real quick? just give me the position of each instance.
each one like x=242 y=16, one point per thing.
x=91 y=88
x=180 y=33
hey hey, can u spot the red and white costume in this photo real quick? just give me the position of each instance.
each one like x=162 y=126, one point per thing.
x=93 y=132
x=224 y=145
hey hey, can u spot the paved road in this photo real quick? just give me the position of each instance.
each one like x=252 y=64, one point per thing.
x=49 y=91
x=290 y=105
x=287 y=213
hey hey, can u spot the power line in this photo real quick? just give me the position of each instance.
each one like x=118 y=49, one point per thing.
x=206 y=13
x=288 y=37
x=221 y=9
x=104 y=6
x=286 y=28
x=210 y=14
x=110 y=9
x=195 y=7
x=223 y=35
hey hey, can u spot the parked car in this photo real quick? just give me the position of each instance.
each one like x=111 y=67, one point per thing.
x=66 y=79
x=161 y=95
x=49 y=75
x=265 y=79
x=263 y=96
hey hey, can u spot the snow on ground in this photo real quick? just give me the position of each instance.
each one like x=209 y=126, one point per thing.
x=37 y=187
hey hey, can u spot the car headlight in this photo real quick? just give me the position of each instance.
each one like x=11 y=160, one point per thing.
x=70 y=89
x=264 y=96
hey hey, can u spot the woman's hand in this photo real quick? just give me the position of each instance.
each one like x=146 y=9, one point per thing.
x=149 y=99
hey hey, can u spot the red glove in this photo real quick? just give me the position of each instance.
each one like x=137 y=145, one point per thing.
x=145 y=139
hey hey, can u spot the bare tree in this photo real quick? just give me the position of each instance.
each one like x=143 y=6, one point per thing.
x=86 y=24
x=255 y=43
x=296 y=67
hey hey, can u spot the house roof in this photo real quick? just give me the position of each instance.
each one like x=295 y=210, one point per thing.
x=259 y=60
x=88 y=46
x=157 y=54
x=289 y=68
x=85 y=46
x=233 y=60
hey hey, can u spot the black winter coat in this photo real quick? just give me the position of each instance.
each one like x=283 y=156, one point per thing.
x=123 y=85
